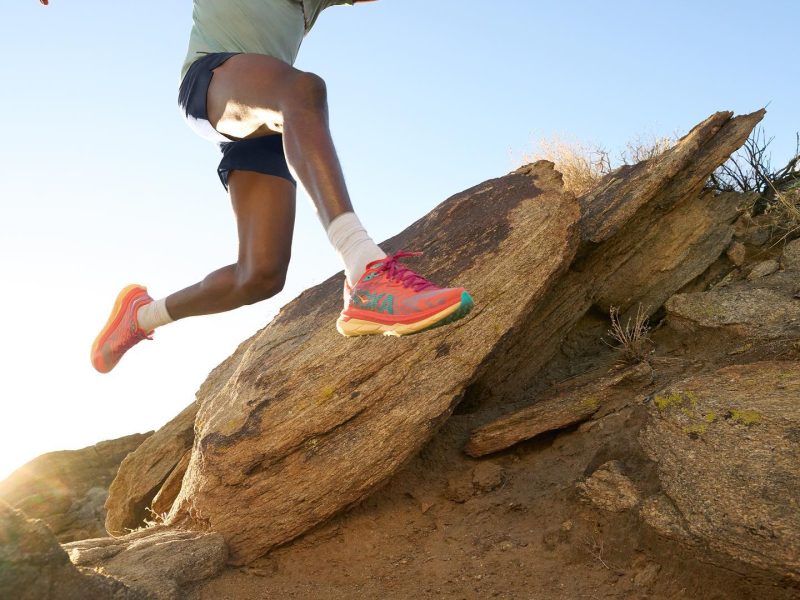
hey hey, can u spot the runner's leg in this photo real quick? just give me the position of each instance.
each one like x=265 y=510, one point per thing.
x=264 y=206
x=251 y=95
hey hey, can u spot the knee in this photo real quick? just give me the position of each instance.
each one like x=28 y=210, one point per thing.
x=262 y=282
x=308 y=91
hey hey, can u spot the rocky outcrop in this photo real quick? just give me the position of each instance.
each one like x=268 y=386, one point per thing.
x=763 y=308
x=727 y=449
x=67 y=489
x=284 y=438
x=566 y=405
x=34 y=567
x=290 y=438
x=648 y=230
x=156 y=562
x=143 y=472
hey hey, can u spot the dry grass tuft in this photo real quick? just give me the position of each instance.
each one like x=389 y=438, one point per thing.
x=583 y=164
x=632 y=340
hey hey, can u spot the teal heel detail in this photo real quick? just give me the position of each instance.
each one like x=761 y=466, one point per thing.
x=466 y=305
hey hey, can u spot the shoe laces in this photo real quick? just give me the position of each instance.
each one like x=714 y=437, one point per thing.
x=402 y=274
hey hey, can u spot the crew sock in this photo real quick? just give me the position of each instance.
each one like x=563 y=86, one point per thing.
x=153 y=315
x=353 y=245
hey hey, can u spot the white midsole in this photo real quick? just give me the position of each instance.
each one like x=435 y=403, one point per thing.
x=353 y=327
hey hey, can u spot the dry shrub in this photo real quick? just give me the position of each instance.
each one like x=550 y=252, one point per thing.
x=583 y=164
x=643 y=148
x=777 y=190
x=632 y=340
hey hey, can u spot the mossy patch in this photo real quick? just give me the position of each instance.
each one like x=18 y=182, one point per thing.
x=685 y=400
x=746 y=417
x=710 y=417
x=591 y=403
x=695 y=429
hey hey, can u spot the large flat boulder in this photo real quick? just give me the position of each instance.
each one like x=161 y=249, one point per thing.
x=311 y=422
x=157 y=563
x=67 y=489
x=727 y=451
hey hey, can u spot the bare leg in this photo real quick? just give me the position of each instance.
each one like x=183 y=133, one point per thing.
x=253 y=95
x=264 y=206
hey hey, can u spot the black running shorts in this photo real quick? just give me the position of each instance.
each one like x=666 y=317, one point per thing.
x=262 y=154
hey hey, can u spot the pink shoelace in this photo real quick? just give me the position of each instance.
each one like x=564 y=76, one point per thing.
x=402 y=274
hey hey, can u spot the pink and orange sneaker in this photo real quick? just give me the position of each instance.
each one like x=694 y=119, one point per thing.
x=121 y=332
x=391 y=299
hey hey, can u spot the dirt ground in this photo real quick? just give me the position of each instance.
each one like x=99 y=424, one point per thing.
x=512 y=525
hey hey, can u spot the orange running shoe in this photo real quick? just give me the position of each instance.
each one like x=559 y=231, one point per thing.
x=391 y=299
x=121 y=332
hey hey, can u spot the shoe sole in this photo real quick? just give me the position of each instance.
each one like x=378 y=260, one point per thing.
x=355 y=327
x=113 y=320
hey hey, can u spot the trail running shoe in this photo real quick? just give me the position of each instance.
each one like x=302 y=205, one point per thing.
x=121 y=332
x=391 y=299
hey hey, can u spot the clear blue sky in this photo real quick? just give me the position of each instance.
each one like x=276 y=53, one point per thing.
x=103 y=184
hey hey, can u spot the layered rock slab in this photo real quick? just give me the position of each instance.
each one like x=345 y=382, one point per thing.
x=67 y=489
x=647 y=230
x=311 y=422
x=564 y=406
x=727 y=451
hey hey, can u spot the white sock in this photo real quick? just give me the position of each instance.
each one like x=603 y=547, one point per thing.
x=153 y=315
x=353 y=245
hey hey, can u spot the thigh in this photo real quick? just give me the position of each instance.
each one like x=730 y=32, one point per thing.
x=245 y=95
x=265 y=207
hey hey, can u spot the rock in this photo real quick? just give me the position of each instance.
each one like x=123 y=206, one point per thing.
x=733 y=276
x=681 y=229
x=289 y=438
x=34 y=567
x=646 y=576
x=762 y=269
x=562 y=408
x=459 y=489
x=609 y=489
x=158 y=562
x=790 y=259
x=487 y=477
x=284 y=438
x=165 y=497
x=728 y=461
x=754 y=231
x=658 y=512
x=144 y=471
x=67 y=489
x=737 y=253
x=761 y=309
